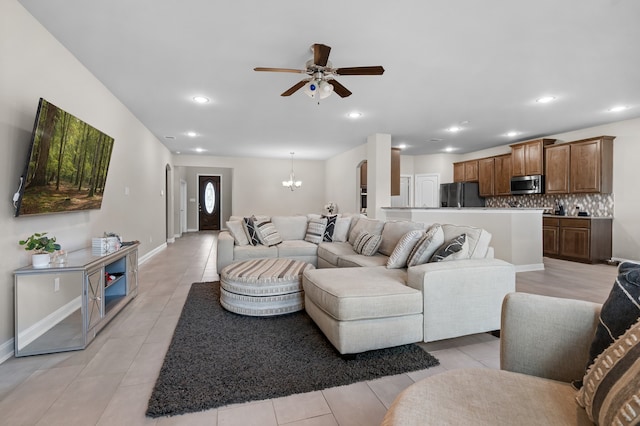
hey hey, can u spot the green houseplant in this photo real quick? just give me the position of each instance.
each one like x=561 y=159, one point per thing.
x=42 y=246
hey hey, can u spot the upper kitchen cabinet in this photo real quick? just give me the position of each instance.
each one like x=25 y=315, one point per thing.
x=584 y=166
x=486 y=176
x=465 y=171
x=395 y=171
x=502 y=178
x=527 y=158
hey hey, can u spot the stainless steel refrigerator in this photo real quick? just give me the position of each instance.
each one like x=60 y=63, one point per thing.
x=460 y=194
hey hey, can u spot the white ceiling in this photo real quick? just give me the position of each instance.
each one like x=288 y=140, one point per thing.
x=447 y=62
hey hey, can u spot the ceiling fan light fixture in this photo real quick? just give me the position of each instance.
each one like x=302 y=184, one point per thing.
x=311 y=89
x=326 y=89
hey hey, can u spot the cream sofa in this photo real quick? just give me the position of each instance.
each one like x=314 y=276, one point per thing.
x=544 y=346
x=362 y=305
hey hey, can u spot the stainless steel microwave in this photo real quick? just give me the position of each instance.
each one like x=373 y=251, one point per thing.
x=533 y=184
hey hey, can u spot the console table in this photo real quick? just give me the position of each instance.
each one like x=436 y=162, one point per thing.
x=63 y=307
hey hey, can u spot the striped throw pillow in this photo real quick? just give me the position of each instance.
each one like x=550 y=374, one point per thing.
x=315 y=230
x=267 y=233
x=403 y=249
x=367 y=244
x=428 y=244
x=611 y=387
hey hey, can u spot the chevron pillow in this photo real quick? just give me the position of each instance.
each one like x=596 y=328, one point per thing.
x=250 y=230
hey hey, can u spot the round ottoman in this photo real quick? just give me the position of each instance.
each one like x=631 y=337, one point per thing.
x=263 y=287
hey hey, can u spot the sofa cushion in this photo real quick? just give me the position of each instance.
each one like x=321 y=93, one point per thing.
x=250 y=230
x=426 y=246
x=619 y=311
x=371 y=293
x=236 y=229
x=404 y=247
x=452 y=249
x=478 y=238
x=315 y=230
x=611 y=391
x=367 y=243
x=291 y=227
x=393 y=231
x=358 y=260
x=332 y=251
x=297 y=248
x=341 y=231
x=253 y=252
x=267 y=233
x=330 y=228
x=370 y=226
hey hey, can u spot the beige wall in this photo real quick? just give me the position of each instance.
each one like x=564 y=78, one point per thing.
x=342 y=178
x=34 y=65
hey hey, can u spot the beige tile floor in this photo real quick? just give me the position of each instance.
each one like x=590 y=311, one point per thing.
x=109 y=383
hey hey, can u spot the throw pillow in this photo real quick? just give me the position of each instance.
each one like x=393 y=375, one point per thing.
x=341 y=230
x=330 y=228
x=619 y=311
x=450 y=248
x=267 y=233
x=611 y=391
x=250 y=230
x=315 y=230
x=236 y=229
x=403 y=249
x=370 y=226
x=367 y=244
x=427 y=246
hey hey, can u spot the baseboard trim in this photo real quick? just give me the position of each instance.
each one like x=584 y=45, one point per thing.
x=620 y=259
x=6 y=350
x=152 y=253
x=530 y=267
x=171 y=240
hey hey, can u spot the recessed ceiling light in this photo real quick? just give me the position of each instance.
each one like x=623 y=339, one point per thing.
x=449 y=149
x=200 y=99
x=454 y=129
x=618 y=108
x=192 y=134
x=545 y=99
x=178 y=152
x=512 y=134
x=354 y=114
x=402 y=146
x=199 y=150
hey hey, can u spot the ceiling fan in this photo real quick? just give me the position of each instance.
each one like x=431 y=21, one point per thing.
x=321 y=81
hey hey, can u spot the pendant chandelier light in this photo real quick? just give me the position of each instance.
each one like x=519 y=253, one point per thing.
x=292 y=183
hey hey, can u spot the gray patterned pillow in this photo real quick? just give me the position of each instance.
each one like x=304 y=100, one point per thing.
x=611 y=391
x=450 y=249
x=428 y=244
x=315 y=230
x=403 y=249
x=250 y=230
x=267 y=233
x=367 y=244
x=330 y=228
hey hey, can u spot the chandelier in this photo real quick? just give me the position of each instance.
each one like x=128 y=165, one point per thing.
x=292 y=183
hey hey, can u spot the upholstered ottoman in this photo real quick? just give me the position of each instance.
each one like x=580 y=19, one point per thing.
x=263 y=287
x=362 y=309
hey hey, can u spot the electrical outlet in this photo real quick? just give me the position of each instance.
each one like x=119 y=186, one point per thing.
x=56 y=284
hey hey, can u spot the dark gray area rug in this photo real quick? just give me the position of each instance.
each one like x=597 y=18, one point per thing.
x=218 y=358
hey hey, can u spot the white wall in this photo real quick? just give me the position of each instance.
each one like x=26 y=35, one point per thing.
x=34 y=65
x=257 y=184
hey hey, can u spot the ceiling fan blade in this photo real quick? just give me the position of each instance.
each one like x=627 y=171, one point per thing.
x=294 y=88
x=321 y=54
x=280 y=70
x=377 y=70
x=342 y=91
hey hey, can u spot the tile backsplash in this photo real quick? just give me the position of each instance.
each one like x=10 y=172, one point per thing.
x=597 y=205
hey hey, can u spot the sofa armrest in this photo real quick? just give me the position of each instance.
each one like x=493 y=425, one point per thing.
x=462 y=296
x=224 y=252
x=547 y=336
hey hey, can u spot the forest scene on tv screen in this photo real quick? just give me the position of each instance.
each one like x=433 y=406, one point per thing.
x=68 y=164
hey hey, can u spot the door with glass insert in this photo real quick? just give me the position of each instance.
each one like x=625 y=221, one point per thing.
x=209 y=203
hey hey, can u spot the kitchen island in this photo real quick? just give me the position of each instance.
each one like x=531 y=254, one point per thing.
x=516 y=232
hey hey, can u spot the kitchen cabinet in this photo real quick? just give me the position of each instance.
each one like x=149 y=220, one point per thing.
x=395 y=171
x=527 y=158
x=502 y=175
x=486 y=176
x=465 y=171
x=584 y=166
x=581 y=239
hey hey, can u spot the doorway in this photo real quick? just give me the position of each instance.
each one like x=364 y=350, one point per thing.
x=405 y=199
x=183 y=207
x=427 y=190
x=208 y=203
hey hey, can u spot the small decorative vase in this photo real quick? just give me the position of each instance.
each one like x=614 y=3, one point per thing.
x=40 y=260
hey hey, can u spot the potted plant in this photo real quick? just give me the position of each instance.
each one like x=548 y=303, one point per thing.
x=42 y=246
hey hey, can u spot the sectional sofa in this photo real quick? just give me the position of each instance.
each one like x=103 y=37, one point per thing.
x=374 y=300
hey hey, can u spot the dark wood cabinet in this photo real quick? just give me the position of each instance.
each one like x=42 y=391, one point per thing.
x=527 y=158
x=581 y=239
x=465 y=171
x=502 y=177
x=486 y=176
x=557 y=160
x=395 y=171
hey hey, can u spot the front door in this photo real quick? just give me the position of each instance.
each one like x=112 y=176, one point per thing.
x=209 y=203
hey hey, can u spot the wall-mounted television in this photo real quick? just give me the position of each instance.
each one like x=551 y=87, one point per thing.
x=67 y=164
